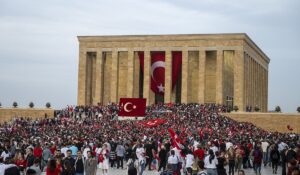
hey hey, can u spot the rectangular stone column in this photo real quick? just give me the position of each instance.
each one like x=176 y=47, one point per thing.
x=239 y=79
x=81 y=77
x=202 y=62
x=219 y=78
x=130 y=75
x=98 y=78
x=146 y=86
x=114 y=77
x=168 y=77
x=184 y=76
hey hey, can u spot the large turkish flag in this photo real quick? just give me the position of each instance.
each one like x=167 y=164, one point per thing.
x=132 y=107
x=157 y=69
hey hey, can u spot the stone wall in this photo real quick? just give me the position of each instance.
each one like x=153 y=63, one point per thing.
x=270 y=121
x=6 y=114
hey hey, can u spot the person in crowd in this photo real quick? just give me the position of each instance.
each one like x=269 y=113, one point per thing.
x=79 y=163
x=38 y=151
x=70 y=159
x=132 y=165
x=149 y=156
x=140 y=154
x=90 y=164
x=52 y=168
x=189 y=161
x=274 y=157
x=173 y=161
x=265 y=145
x=67 y=168
x=221 y=163
x=201 y=168
x=199 y=152
x=46 y=155
x=36 y=167
x=238 y=158
x=210 y=163
x=21 y=162
x=120 y=155
x=291 y=157
x=74 y=150
x=104 y=159
x=231 y=160
x=29 y=157
x=162 y=158
x=257 y=161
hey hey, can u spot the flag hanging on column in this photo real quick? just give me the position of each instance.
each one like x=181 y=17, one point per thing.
x=157 y=69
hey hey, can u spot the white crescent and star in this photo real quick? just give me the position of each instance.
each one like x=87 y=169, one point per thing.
x=155 y=65
x=126 y=107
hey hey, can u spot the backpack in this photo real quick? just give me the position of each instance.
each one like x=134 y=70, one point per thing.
x=275 y=156
x=131 y=166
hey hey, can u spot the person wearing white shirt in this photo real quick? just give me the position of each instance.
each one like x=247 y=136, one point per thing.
x=4 y=154
x=85 y=152
x=140 y=154
x=64 y=150
x=173 y=161
x=189 y=160
x=210 y=163
x=264 y=146
x=228 y=145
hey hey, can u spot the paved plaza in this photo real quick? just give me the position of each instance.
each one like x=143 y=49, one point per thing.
x=264 y=171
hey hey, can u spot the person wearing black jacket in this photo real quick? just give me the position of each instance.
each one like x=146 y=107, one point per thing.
x=79 y=164
x=67 y=168
x=30 y=157
x=163 y=158
x=70 y=159
x=274 y=156
x=283 y=161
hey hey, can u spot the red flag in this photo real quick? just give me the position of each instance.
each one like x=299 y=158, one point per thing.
x=158 y=69
x=132 y=107
x=177 y=142
x=153 y=123
x=289 y=128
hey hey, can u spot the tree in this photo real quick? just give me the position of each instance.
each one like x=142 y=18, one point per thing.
x=298 y=109
x=48 y=105
x=256 y=108
x=15 y=104
x=0 y=104
x=31 y=104
x=235 y=108
x=278 y=109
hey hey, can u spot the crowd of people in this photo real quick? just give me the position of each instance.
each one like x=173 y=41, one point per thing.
x=81 y=139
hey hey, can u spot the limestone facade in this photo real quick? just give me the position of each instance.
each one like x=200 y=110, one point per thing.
x=215 y=69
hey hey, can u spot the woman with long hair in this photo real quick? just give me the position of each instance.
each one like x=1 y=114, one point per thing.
x=132 y=165
x=21 y=162
x=52 y=168
x=210 y=163
x=231 y=160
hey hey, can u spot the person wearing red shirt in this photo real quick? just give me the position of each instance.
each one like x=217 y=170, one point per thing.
x=21 y=162
x=199 y=152
x=38 y=151
x=52 y=169
x=53 y=148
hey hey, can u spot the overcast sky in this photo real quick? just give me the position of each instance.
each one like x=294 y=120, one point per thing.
x=39 y=47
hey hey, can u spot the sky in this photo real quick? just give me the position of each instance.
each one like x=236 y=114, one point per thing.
x=39 y=46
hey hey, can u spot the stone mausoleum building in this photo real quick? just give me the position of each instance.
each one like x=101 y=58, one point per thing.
x=225 y=69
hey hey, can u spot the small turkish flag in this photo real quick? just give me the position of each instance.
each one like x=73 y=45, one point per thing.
x=132 y=107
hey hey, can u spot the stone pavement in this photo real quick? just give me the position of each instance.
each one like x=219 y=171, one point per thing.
x=264 y=171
